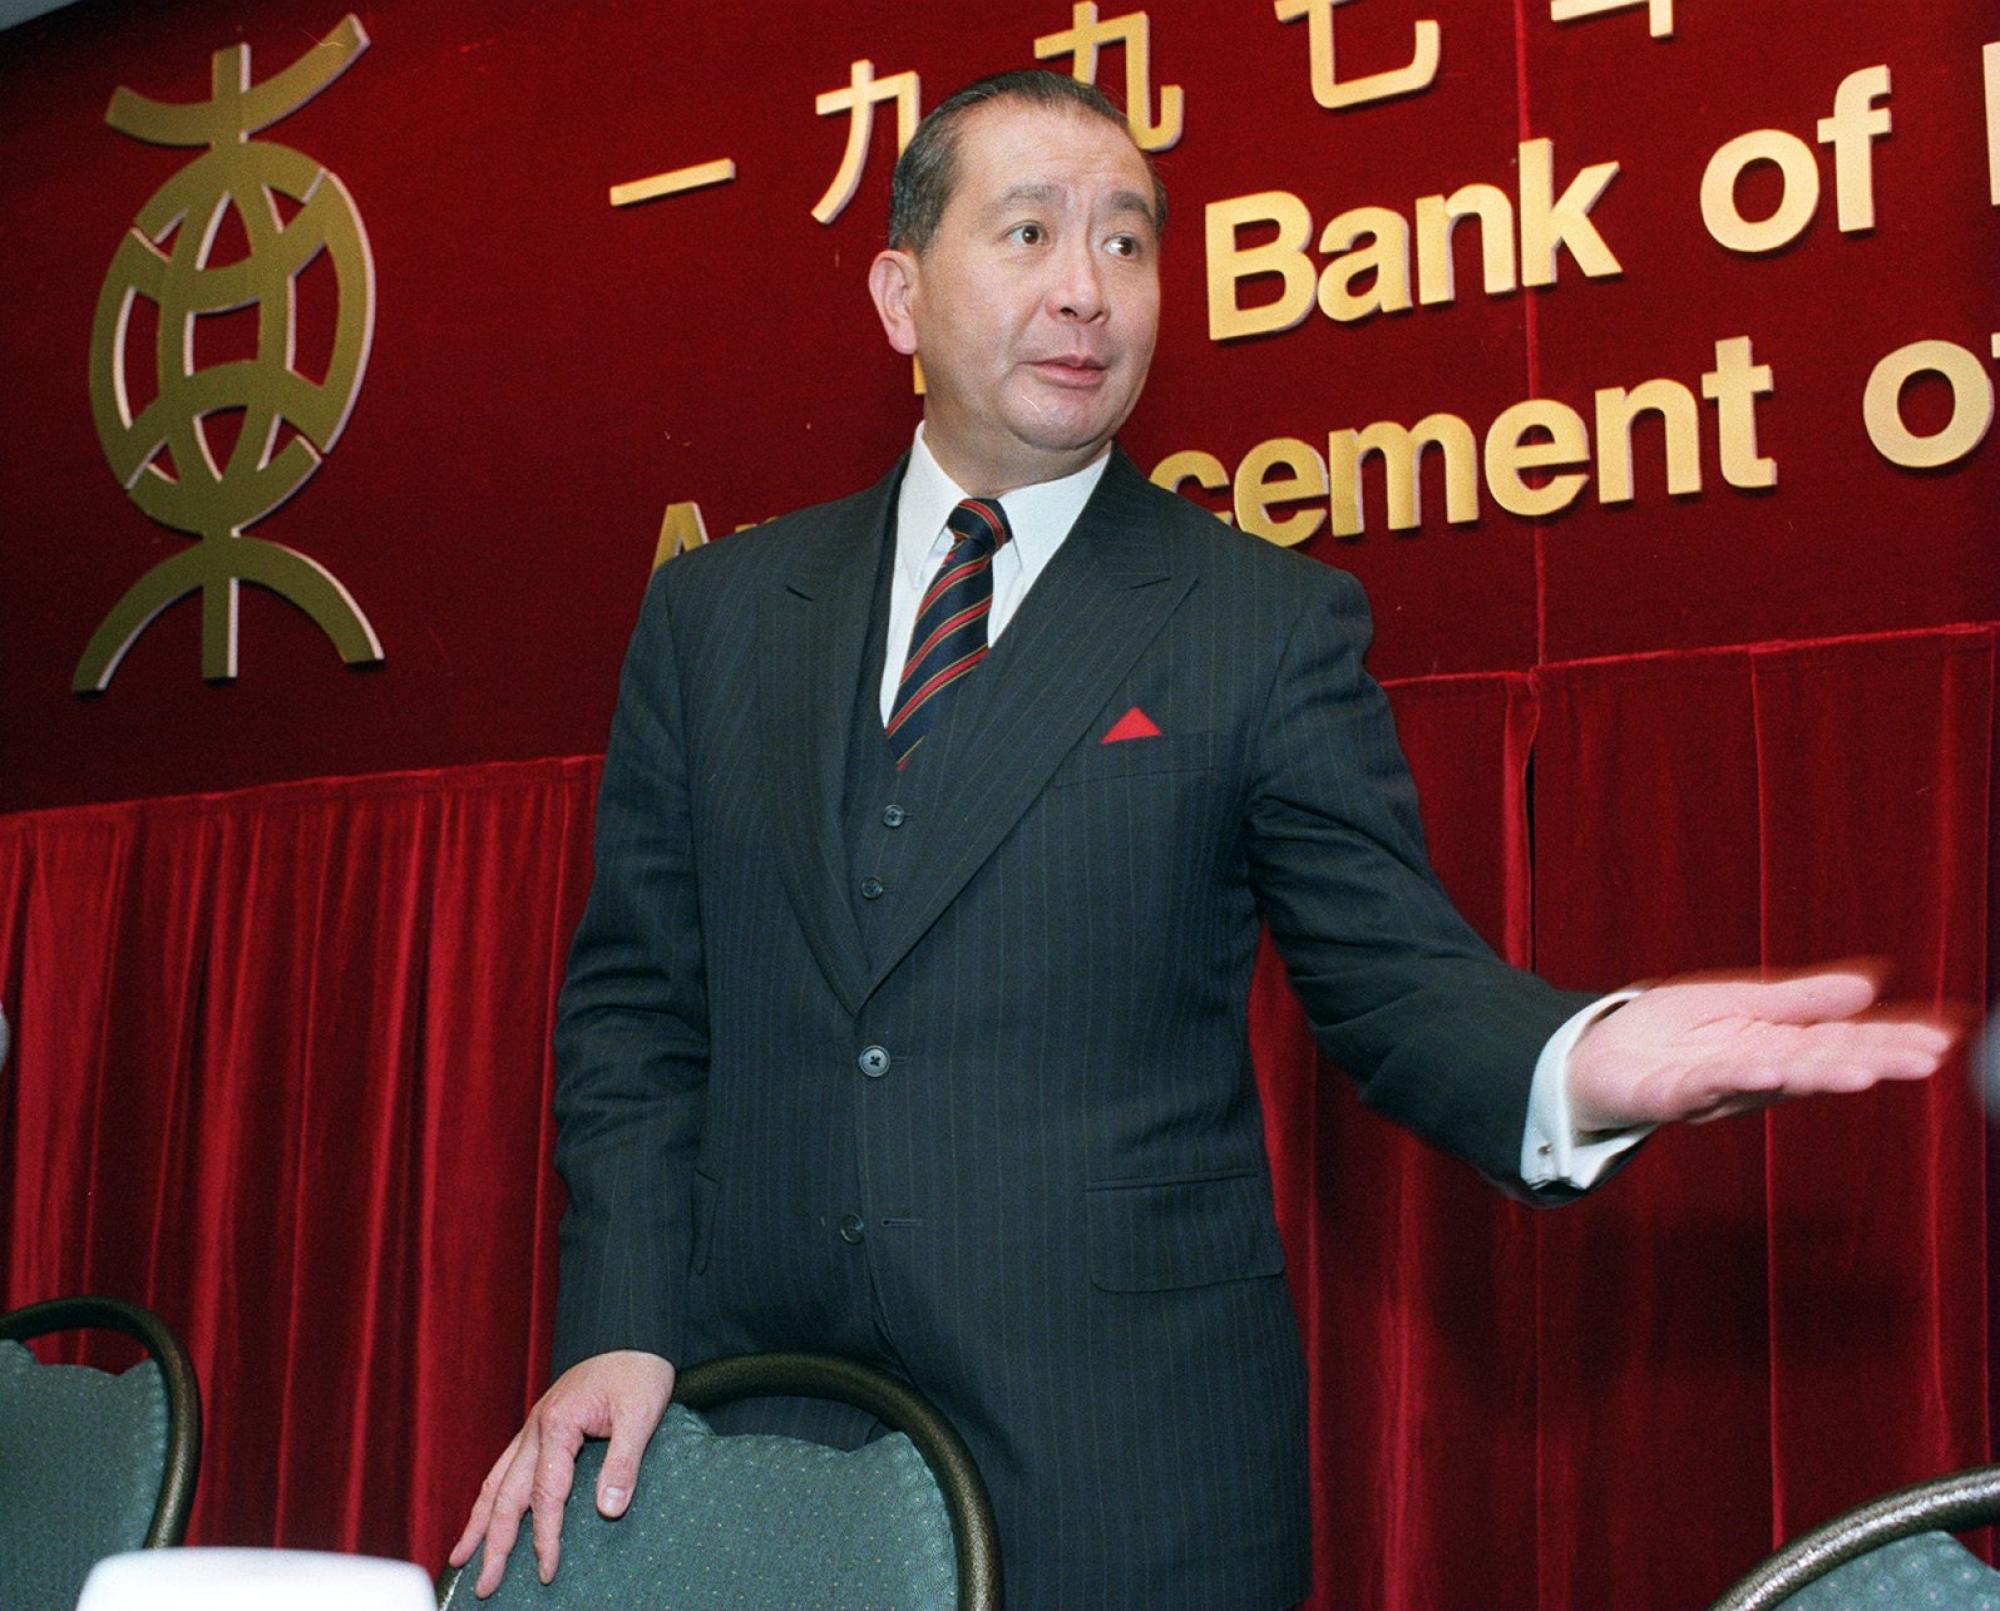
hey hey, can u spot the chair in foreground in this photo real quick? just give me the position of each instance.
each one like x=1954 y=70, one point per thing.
x=1892 y=1552
x=91 y=1464
x=758 y=1521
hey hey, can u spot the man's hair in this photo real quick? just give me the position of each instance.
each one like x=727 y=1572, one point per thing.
x=927 y=171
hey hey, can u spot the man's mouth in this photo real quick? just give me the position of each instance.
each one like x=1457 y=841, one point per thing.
x=1070 y=369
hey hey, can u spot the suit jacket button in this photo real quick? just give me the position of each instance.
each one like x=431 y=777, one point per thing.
x=871 y=889
x=874 y=1061
x=851 y=1229
x=894 y=816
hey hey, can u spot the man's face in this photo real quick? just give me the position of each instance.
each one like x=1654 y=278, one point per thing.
x=1035 y=306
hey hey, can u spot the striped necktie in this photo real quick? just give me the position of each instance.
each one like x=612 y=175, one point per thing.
x=949 y=637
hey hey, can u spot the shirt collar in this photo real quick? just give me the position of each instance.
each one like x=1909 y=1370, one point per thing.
x=1039 y=516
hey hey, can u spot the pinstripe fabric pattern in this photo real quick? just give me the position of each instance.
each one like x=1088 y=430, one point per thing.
x=1061 y=1223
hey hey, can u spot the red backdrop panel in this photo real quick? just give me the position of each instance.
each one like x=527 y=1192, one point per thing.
x=549 y=373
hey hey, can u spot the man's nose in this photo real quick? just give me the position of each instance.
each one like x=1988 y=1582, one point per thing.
x=1077 y=288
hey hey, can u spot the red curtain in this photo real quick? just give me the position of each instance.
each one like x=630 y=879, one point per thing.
x=281 y=1072
x=1415 y=1281
x=1767 y=1320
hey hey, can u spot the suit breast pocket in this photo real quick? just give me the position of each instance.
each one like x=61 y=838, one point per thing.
x=1134 y=758
x=1191 y=1231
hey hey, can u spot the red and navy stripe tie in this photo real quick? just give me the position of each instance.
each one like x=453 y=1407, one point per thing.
x=949 y=638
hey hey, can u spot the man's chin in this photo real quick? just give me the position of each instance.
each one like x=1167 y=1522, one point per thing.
x=1062 y=454
x=1020 y=445
x=1066 y=432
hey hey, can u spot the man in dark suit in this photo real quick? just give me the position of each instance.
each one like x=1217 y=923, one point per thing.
x=907 y=1019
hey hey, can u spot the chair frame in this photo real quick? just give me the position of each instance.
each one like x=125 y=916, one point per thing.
x=183 y=1453
x=899 y=1407
x=1953 y=1503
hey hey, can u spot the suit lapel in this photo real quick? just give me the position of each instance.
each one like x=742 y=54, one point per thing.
x=1104 y=597
x=811 y=630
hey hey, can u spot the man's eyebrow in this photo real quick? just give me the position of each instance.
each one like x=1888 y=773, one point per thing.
x=1130 y=201
x=1042 y=194
x=1036 y=191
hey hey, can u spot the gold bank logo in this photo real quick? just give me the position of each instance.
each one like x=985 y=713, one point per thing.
x=163 y=453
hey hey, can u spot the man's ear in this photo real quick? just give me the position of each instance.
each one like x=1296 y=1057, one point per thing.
x=892 y=282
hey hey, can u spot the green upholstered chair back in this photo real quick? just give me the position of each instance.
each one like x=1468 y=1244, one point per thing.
x=1932 y=1571
x=1893 y=1551
x=91 y=1464
x=752 y=1520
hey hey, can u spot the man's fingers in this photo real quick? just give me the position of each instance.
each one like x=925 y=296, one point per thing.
x=1809 y=999
x=509 y=1501
x=554 y=1474
x=621 y=1394
x=482 y=1508
x=1853 y=1056
x=1825 y=1059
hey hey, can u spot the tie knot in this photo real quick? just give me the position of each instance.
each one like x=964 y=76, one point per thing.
x=982 y=520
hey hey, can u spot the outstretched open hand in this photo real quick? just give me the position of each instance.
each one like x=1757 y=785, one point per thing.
x=1701 y=1048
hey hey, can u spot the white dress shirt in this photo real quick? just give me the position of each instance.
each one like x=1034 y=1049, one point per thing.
x=1039 y=518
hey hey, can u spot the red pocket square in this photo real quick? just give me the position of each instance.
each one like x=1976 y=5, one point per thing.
x=1135 y=723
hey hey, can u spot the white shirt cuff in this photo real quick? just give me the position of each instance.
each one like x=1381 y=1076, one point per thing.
x=1552 y=1152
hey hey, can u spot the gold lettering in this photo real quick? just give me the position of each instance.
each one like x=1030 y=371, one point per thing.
x=1989 y=64
x=1856 y=123
x=682 y=529
x=1437 y=218
x=1734 y=385
x=1229 y=263
x=1659 y=13
x=1086 y=35
x=1509 y=452
x=719 y=172
x=1401 y=449
x=1333 y=92
x=1618 y=408
x=1205 y=470
x=1385 y=261
x=1550 y=222
x=858 y=100
x=1793 y=159
x=1971 y=404
x=1257 y=492
x=1546 y=436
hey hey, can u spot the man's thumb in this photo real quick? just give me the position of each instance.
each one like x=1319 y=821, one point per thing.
x=621 y=1465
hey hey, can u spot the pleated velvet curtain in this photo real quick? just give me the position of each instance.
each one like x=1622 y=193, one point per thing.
x=281 y=1071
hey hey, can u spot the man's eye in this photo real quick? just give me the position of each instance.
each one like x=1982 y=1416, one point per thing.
x=1028 y=234
x=1123 y=246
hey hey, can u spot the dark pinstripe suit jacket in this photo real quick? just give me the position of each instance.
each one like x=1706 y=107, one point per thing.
x=1056 y=1204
